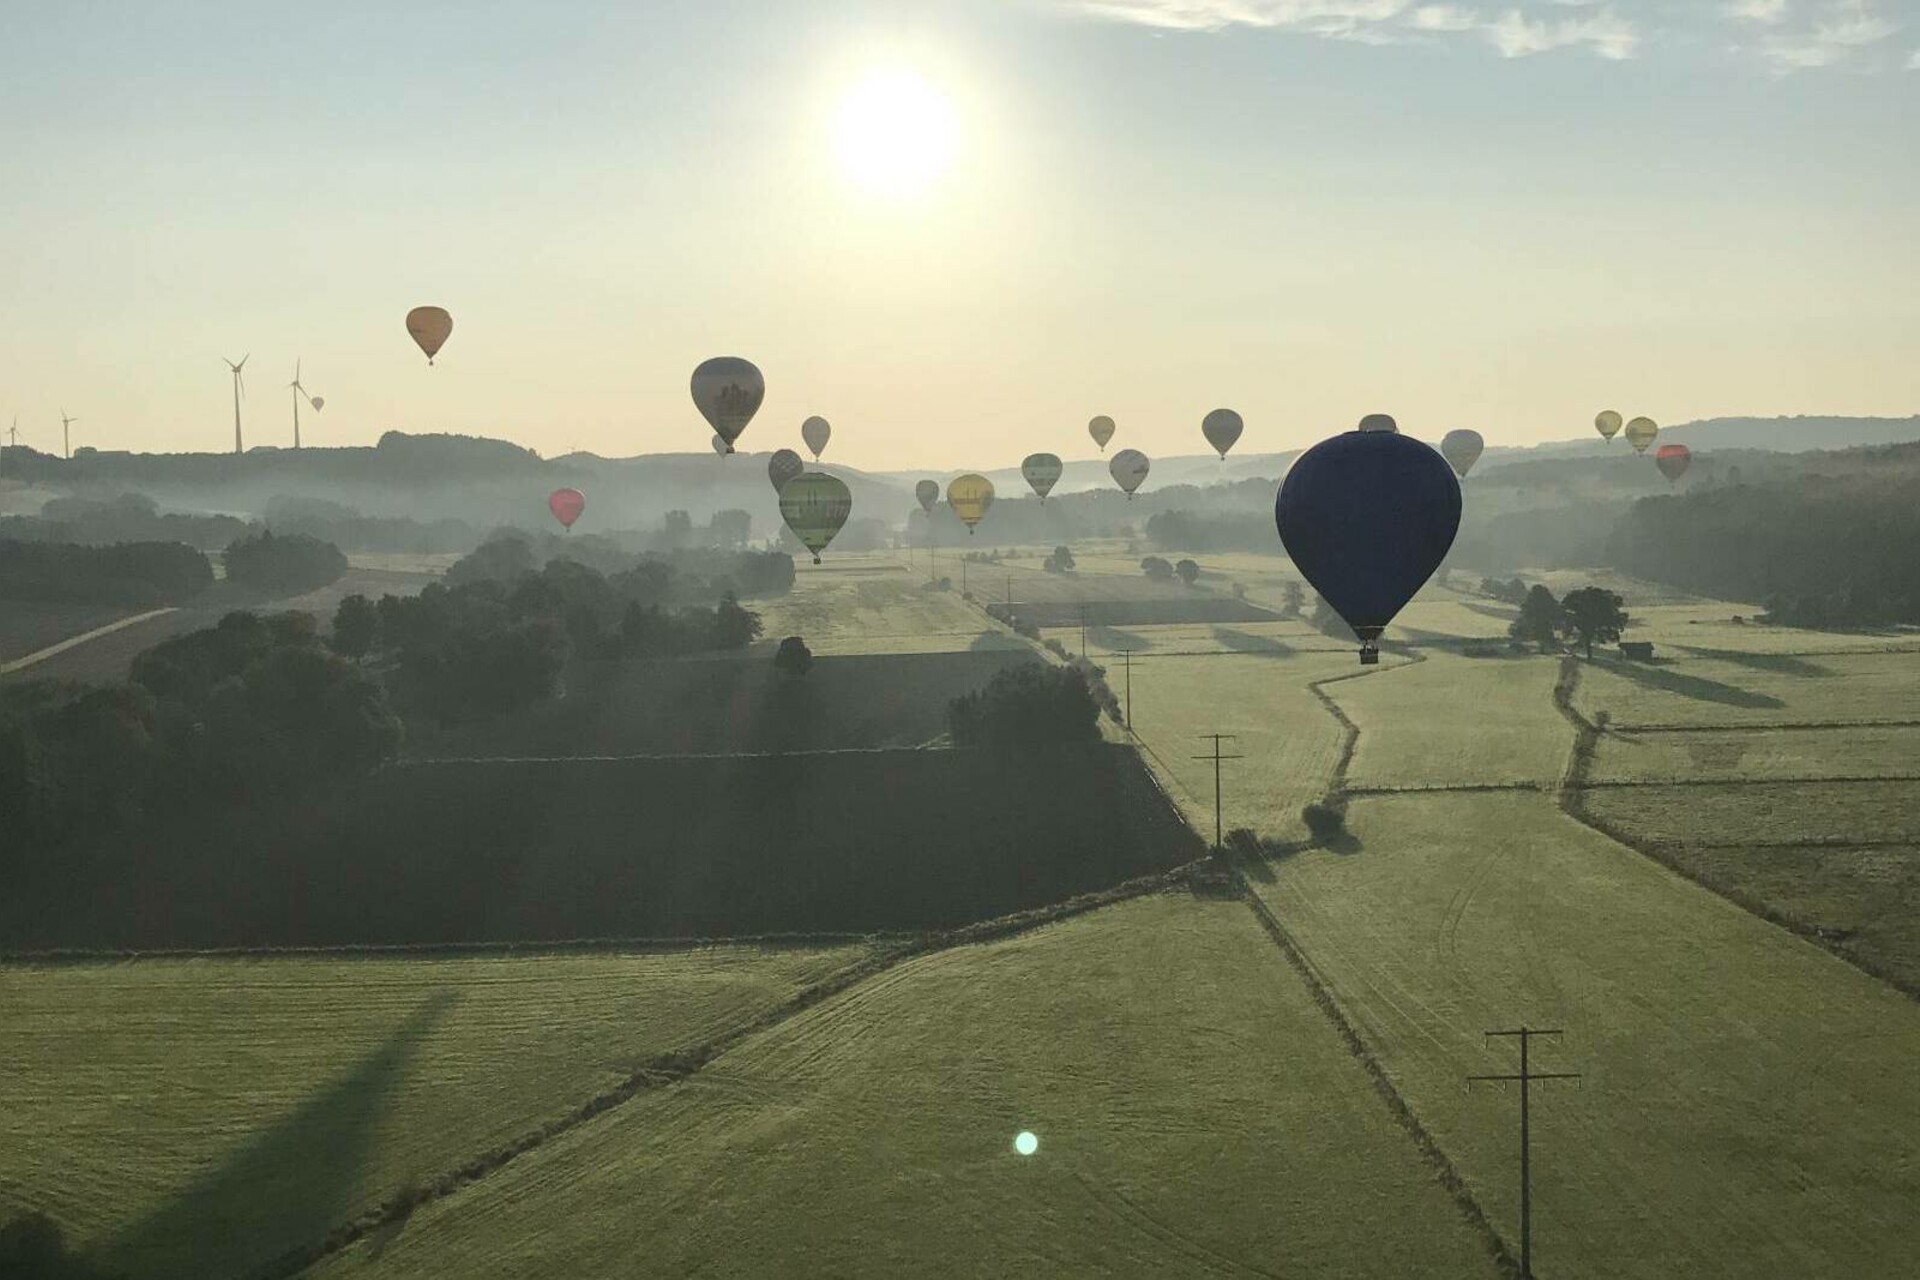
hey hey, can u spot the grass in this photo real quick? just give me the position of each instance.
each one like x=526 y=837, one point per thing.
x=1746 y=1107
x=1767 y=689
x=552 y=850
x=28 y=626
x=1744 y=755
x=1454 y=721
x=1196 y=1115
x=876 y=605
x=200 y=1117
x=1772 y=812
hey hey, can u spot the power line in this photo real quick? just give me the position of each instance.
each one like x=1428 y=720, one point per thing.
x=1526 y=1076
x=1126 y=658
x=1216 y=757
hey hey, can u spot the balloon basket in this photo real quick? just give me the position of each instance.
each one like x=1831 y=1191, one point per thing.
x=1369 y=656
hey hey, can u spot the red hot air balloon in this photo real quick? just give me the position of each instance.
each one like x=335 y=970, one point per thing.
x=566 y=505
x=1673 y=460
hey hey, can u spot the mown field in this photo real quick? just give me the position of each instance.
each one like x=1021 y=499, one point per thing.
x=28 y=626
x=1195 y=1112
x=874 y=604
x=732 y=704
x=468 y=852
x=190 y=1118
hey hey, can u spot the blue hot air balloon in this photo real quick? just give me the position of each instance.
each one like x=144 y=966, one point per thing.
x=1367 y=517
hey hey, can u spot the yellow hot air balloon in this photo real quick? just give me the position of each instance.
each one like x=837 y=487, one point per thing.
x=430 y=327
x=815 y=506
x=970 y=496
x=1640 y=433
x=1608 y=424
x=1101 y=429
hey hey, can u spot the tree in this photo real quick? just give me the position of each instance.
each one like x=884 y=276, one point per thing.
x=1157 y=568
x=1187 y=571
x=1031 y=703
x=731 y=528
x=793 y=657
x=677 y=529
x=356 y=626
x=734 y=627
x=1061 y=561
x=289 y=563
x=1594 y=614
x=1539 y=621
x=1295 y=597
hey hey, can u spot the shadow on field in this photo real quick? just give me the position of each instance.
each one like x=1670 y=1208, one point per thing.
x=997 y=642
x=1248 y=642
x=289 y=1186
x=1114 y=638
x=1655 y=676
x=1784 y=664
x=1504 y=612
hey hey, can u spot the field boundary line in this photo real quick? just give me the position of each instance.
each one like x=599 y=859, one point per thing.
x=1572 y=795
x=522 y=949
x=1417 y=789
x=1437 y=1159
x=1778 y=726
x=1852 y=779
x=672 y=1066
x=71 y=642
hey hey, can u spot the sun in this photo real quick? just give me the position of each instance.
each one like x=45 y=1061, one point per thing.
x=895 y=133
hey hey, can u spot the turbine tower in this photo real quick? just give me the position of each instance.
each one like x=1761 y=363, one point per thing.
x=299 y=394
x=239 y=389
x=66 y=435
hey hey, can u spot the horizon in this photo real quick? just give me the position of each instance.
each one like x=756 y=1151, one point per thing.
x=996 y=220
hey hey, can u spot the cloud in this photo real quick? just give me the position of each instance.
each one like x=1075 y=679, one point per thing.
x=1842 y=32
x=1540 y=26
x=1913 y=63
x=1767 y=13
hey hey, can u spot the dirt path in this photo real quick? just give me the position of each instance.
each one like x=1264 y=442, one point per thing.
x=21 y=664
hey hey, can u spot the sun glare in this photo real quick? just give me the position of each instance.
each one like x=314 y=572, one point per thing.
x=895 y=134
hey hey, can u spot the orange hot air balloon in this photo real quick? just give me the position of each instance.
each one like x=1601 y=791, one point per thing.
x=566 y=505
x=1673 y=460
x=430 y=327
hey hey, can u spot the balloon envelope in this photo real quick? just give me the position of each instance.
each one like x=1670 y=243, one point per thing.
x=1673 y=461
x=1379 y=422
x=926 y=493
x=728 y=390
x=815 y=432
x=319 y=403
x=1042 y=471
x=430 y=327
x=1640 y=433
x=970 y=496
x=1129 y=469
x=1101 y=429
x=1222 y=428
x=566 y=505
x=1462 y=449
x=1367 y=517
x=815 y=506
x=720 y=446
x=1608 y=423
x=783 y=466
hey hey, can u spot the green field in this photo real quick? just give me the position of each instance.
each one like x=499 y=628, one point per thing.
x=201 y=1117
x=1410 y=723
x=1747 y=1107
x=870 y=604
x=1196 y=1116
x=1735 y=688
x=1741 y=755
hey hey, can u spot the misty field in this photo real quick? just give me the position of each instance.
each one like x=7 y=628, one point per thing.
x=201 y=1117
x=875 y=604
x=1411 y=723
x=1195 y=1111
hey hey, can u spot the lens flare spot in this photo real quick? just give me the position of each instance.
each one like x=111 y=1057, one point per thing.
x=1026 y=1143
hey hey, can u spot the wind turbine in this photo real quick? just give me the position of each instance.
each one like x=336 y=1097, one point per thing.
x=66 y=436
x=239 y=389
x=299 y=394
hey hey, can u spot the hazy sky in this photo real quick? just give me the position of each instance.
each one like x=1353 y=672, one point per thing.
x=956 y=230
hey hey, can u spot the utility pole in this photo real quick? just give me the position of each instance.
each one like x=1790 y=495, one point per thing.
x=1083 y=631
x=1126 y=657
x=1216 y=757
x=1526 y=1077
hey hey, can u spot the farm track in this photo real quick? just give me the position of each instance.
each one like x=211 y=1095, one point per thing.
x=1575 y=785
x=682 y=1064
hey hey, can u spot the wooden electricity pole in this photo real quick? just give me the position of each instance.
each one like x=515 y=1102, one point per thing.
x=1526 y=1076
x=1216 y=757
x=1126 y=658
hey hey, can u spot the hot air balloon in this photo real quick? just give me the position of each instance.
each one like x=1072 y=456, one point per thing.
x=1129 y=469
x=1042 y=471
x=1101 y=429
x=566 y=505
x=926 y=493
x=1640 y=433
x=1462 y=449
x=430 y=327
x=783 y=466
x=815 y=432
x=815 y=506
x=1379 y=422
x=728 y=390
x=970 y=496
x=1367 y=516
x=720 y=446
x=1607 y=424
x=318 y=403
x=1221 y=428
x=1673 y=460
